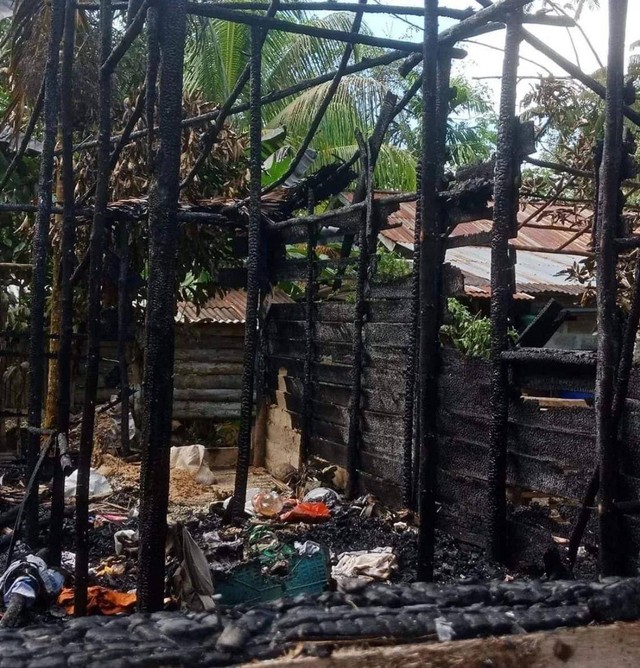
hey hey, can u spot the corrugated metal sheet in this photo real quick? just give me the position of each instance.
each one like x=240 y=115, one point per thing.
x=559 y=231
x=229 y=308
x=535 y=272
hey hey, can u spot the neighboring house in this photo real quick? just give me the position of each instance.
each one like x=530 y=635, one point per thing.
x=209 y=354
x=550 y=240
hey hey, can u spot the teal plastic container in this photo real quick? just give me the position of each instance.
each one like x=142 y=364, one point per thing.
x=247 y=585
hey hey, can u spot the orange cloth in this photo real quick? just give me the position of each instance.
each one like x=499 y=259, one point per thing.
x=100 y=600
x=307 y=511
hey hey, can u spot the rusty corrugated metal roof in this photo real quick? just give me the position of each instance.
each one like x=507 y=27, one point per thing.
x=228 y=308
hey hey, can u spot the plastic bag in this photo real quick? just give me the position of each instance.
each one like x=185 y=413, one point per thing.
x=308 y=512
x=99 y=486
x=191 y=458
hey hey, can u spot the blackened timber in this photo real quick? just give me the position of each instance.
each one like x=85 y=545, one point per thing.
x=157 y=382
x=218 y=12
x=353 y=444
x=131 y=33
x=504 y=224
x=348 y=7
x=96 y=251
x=410 y=462
x=606 y=284
x=211 y=136
x=599 y=89
x=123 y=328
x=67 y=256
x=322 y=108
x=275 y=96
x=430 y=279
x=253 y=278
x=309 y=352
x=40 y=252
x=151 y=92
x=26 y=137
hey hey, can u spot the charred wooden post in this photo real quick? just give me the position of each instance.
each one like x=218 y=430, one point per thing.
x=353 y=443
x=123 y=329
x=504 y=227
x=96 y=252
x=157 y=383
x=253 y=278
x=153 y=66
x=309 y=350
x=40 y=252
x=608 y=216
x=410 y=460
x=67 y=255
x=431 y=250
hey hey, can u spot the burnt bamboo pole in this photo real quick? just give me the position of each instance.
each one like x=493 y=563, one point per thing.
x=40 y=253
x=322 y=108
x=309 y=349
x=26 y=138
x=430 y=285
x=153 y=66
x=410 y=459
x=357 y=347
x=253 y=277
x=211 y=136
x=593 y=85
x=67 y=256
x=504 y=227
x=269 y=98
x=96 y=251
x=134 y=28
x=606 y=257
x=157 y=399
x=123 y=329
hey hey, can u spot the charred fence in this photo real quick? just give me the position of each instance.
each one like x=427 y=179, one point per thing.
x=551 y=448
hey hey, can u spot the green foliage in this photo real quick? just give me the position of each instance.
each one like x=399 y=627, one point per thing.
x=390 y=267
x=470 y=334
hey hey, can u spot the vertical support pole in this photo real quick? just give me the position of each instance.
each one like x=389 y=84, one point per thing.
x=67 y=256
x=253 y=269
x=608 y=215
x=157 y=383
x=430 y=289
x=153 y=65
x=309 y=332
x=40 y=252
x=353 y=443
x=504 y=217
x=410 y=458
x=96 y=251
x=123 y=330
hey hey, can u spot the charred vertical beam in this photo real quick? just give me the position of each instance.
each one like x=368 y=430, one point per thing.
x=40 y=252
x=157 y=384
x=123 y=329
x=430 y=287
x=353 y=443
x=253 y=278
x=67 y=256
x=309 y=350
x=504 y=217
x=96 y=251
x=153 y=64
x=608 y=217
x=410 y=457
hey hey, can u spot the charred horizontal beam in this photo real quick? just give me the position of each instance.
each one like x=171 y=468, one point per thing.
x=550 y=356
x=219 y=12
x=465 y=240
x=409 y=10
